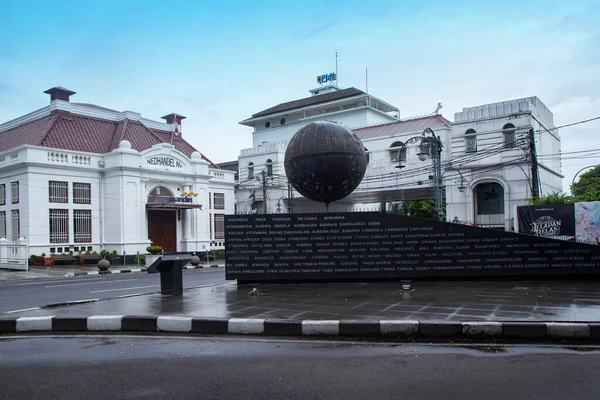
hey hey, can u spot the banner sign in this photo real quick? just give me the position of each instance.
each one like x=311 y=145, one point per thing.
x=375 y=245
x=555 y=221
x=587 y=222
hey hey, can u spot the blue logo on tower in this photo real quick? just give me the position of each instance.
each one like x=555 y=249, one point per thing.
x=326 y=78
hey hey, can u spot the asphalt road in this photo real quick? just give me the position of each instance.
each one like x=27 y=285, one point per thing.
x=209 y=368
x=25 y=294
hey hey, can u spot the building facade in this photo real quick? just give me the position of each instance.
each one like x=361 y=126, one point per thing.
x=485 y=160
x=492 y=148
x=79 y=177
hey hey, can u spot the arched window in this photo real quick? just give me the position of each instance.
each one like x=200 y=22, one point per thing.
x=470 y=140
x=269 y=165
x=490 y=199
x=159 y=195
x=398 y=152
x=508 y=131
x=250 y=170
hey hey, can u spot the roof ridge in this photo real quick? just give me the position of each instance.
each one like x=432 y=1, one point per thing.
x=153 y=133
x=410 y=119
x=122 y=125
x=47 y=130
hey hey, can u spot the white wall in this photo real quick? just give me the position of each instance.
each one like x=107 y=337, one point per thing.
x=119 y=193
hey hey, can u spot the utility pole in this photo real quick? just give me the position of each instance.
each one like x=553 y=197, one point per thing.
x=535 y=185
x=264 y=190
x=438 y=178
x=290 y=197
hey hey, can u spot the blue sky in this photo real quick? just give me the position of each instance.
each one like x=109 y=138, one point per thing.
x=219 y=62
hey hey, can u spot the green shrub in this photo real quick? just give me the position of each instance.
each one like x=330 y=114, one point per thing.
x=109 y=255
x=219 y=253
x=141 y=258
x=154 y=249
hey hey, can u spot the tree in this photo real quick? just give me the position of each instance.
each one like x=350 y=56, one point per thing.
x=417 y=208
x=553 y=198
x=562 y=198
x=588 y=184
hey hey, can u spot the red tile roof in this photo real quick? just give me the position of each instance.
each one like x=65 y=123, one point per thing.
x=92 y=135
x=407 y=126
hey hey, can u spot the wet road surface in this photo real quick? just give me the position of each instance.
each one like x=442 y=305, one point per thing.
x=25 y=294
x=209 y=368
x=447 y=300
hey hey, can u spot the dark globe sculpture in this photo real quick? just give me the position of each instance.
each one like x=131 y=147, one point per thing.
x=325 y=161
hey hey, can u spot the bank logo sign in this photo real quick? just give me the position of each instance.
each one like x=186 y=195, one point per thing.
x=326 y=78
x=164 y=161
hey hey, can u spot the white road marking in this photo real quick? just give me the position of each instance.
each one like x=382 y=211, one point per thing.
x=46 y=282
x=127 y=288
x=91 y=283
x=22 y=310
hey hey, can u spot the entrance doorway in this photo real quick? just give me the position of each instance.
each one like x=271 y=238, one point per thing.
x=162 y=229
x=162 y=223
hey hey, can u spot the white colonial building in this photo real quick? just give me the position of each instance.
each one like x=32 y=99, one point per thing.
x=492 y=149
x=486 y=157
x=79 y=177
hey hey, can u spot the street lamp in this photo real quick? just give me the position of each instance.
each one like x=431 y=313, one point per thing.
x=578 y=172
x=461 y=188
x=426 y=139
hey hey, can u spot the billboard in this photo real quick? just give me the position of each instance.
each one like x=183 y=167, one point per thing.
x=587 y=222
x=376 y=245
x=556 y=221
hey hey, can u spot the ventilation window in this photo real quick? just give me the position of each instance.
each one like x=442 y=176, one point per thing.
x=267 y=124
x=509 y=135
x=282 y=121
x=470 y=140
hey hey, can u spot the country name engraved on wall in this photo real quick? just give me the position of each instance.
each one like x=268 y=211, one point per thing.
x=378 y=245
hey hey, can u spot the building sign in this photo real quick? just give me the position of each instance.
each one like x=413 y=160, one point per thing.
x=375 y=245
x=326 y=78
x=555 y=221
x=180 y=200
x=165 y=161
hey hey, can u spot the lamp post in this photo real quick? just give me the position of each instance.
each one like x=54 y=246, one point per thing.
x=578 y=172
x=462 y=187
x=431 y=145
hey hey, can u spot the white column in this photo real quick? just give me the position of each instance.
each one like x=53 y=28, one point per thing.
x=187 y=226
x=187 y=216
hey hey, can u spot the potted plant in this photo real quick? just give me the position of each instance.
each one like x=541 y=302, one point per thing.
x=154 y=253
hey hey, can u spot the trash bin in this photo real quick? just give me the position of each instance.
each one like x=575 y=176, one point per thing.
x=170 y=267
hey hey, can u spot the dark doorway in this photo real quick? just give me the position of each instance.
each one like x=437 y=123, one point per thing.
x=162 y=229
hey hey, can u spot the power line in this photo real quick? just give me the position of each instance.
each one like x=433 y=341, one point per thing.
x=578 y=122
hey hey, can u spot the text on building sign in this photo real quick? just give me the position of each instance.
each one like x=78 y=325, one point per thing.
x=180 y=200
x=326 y=78
x=165 y=161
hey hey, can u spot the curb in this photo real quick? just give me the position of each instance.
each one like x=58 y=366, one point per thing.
x=325 y=328
x=124 y=271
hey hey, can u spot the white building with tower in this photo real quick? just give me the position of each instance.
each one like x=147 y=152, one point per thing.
x=80 y=177
x=485 y=161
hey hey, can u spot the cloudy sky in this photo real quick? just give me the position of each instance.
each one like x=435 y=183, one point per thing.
x=219 y=62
